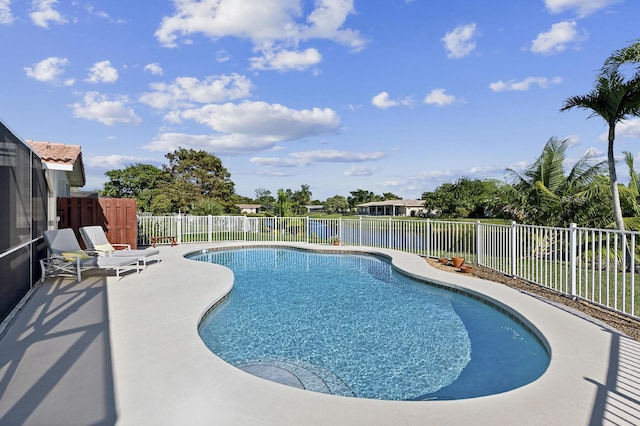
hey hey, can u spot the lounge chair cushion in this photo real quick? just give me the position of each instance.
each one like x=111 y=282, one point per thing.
x=73 y=255
x=103 y=247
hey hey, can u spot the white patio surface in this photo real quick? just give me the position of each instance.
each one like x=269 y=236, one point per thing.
x=127 y=352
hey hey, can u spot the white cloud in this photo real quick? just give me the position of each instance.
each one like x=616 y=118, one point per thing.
x=100 y=108
x=306 y=158
x=113 y=161
x=185 y=91
x=629 y=128
x=260 y=119
x=229 y=144
x=581 y=7
x=154 y=68
x=247 y=127
x=91 y=10
x=272 y=25
x=48 y=70
x=43 y=12
x=625 y=129
x=422 y=182
x=439 y=97
x=382 y=101
x=222 y=56
x=102 y=72
x=361 y=171
x=513 y=85
x=286 y=60
x=459 y=42
x=6 y=17
x=558 y=38
x=326 y=23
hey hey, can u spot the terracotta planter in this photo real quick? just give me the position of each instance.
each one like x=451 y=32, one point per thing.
x=443 y=260
x=336 y=243
x=465 y=269
x=457 y=261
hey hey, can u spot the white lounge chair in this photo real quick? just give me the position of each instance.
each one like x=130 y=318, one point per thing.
x=68 y=259
x=96 y=240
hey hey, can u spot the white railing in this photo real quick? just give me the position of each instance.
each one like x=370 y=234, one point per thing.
x=597 y=265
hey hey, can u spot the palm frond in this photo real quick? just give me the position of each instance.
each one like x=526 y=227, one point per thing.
x=632 y=223
x=629 y=54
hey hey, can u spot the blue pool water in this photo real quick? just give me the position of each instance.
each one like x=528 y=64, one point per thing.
x=350 y=325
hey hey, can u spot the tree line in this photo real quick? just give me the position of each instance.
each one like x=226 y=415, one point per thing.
x=542 y=194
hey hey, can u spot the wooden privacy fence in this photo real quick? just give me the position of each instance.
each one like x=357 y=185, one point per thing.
x=117 y=216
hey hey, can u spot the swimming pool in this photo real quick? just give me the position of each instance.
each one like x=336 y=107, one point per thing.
x=350 y=325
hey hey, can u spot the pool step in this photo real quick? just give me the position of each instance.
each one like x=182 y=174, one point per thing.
x=298 y=374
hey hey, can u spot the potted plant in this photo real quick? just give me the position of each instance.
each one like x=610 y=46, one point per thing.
x=457 y=261
x=336 y=241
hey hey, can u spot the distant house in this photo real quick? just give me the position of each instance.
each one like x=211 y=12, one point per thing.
x=392 y=208
x=63 y=169
x=315 y=208
x=249 y=208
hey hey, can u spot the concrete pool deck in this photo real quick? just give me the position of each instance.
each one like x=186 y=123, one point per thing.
x=127 y=352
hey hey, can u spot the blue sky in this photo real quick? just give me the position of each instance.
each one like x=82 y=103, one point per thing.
x=384 y=95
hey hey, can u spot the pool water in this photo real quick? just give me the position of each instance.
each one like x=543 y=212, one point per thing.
x=350 y=325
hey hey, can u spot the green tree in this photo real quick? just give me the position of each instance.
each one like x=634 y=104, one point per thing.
x=301 y=199
x=390 y=196
x=464 y=198
x=161 y=204
x=613 y=99
x=630 y=196
x=544 y=195
x=206 y=207
x=264 y=198
x=283 y=203
x=336 y=204
x=361 y=196
x=627 y=55
x=197 y=175
x=139 y=181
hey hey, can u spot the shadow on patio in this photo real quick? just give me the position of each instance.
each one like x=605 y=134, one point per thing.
x=618 y=400
x=55 y=359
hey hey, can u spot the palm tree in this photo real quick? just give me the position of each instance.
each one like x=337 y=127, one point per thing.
x=630 y=196
x=547 y=195
x=626 y=55
x=284 y=202
x=613 y=99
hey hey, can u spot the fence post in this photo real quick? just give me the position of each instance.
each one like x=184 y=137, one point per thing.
x=573 y=248
x=179 y=228
x=307 y=228
x=390 y=245
x=514 y=251
x=360 y=231
x=428 y=238
x=340 y=228
x=210 y=228
x=478 y=241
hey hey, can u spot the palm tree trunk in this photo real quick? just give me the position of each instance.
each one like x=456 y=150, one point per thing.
x=613 y=180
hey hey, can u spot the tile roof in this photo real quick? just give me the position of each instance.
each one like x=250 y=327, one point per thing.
x=60 y=154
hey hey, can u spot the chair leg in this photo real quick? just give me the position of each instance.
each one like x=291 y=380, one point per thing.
x=43 y=270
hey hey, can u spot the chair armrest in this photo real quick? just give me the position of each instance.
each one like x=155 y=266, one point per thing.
x=124 y=246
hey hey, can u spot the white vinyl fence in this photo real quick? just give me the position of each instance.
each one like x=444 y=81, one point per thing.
x=597 y=265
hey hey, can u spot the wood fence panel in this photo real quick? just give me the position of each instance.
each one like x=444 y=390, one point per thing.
x=121 y=225
x=117 y=216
